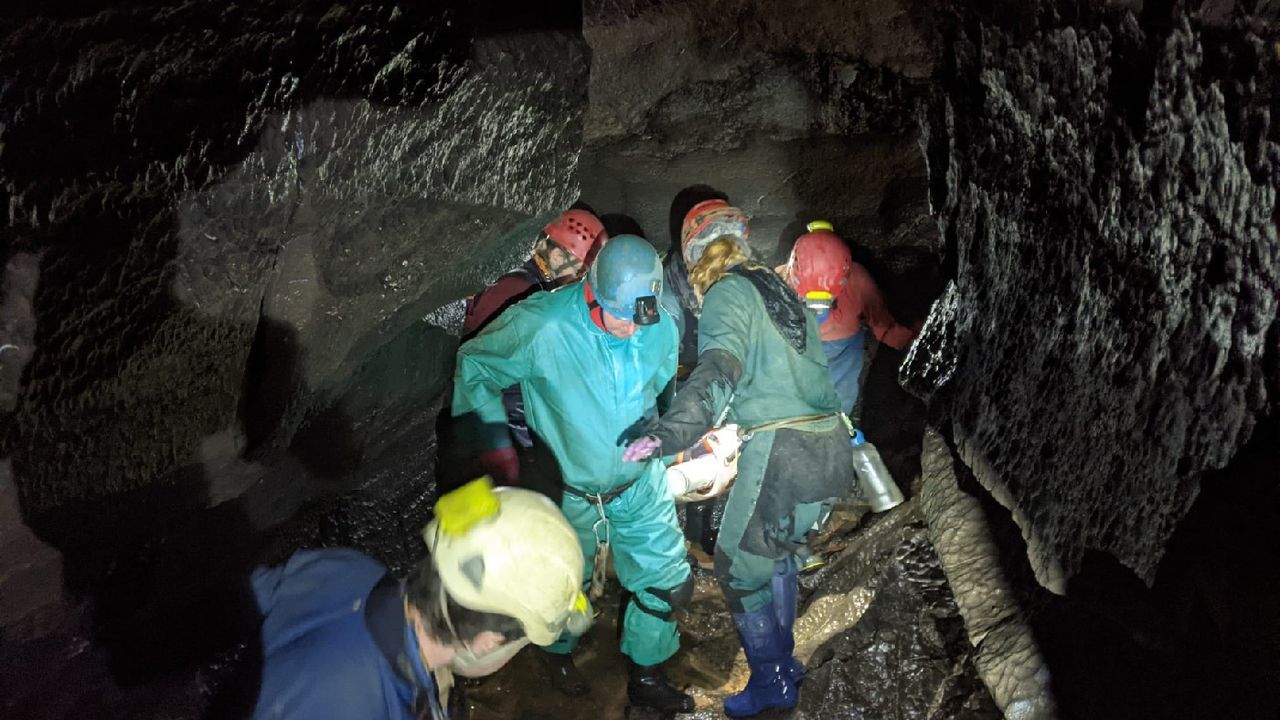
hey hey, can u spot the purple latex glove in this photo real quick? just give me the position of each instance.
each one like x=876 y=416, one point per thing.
x=641 y=449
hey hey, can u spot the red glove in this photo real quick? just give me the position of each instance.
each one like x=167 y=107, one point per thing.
x=503 y=464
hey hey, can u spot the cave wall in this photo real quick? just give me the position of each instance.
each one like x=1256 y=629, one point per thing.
x=797 y=110
x=1104 y=177
x=235 y=241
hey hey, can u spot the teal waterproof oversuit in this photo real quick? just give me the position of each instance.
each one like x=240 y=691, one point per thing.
x=584 y=389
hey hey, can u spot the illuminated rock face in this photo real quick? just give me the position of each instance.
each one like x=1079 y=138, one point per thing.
x=1106 y=189
x=220 y=177
x=232 y=234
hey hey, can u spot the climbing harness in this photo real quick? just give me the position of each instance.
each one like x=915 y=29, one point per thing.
x=600 y=566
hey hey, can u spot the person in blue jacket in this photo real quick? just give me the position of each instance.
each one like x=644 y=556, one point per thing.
x=343 y=639
x=592 y=360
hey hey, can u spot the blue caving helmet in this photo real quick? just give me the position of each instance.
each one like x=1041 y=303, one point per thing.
x=626 y=278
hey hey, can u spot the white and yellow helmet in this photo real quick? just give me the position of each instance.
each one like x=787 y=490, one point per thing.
x=510 y=551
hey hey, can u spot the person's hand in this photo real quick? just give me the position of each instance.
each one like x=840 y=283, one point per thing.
x=641 y=449
x=502 y=464
x=635 y=431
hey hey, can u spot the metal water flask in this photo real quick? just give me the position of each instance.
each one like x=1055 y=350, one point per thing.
x=875 y=485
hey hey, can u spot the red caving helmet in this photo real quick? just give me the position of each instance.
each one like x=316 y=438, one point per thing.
x=579 y=232
x=820 y=264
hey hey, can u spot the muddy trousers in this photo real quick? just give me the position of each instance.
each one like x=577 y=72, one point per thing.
x=746 y=576
x=649 y=557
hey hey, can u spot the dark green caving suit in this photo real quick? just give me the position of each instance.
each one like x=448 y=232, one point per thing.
x=758 y=344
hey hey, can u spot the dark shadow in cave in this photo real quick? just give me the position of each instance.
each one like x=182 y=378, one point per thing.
x=456 y=464
x=1203 y=642
x=163 y=575
x=620 y=224
x=163 y=568
x=273 y=381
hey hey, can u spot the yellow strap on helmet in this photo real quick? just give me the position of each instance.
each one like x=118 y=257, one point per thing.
x=818 y=295
x=459 y=511
x=817 y=225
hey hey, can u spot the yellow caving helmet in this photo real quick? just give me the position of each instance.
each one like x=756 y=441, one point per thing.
x=510 y=551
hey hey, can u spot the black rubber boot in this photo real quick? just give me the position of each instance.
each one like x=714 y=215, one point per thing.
x=564 y=675
x=648 y=686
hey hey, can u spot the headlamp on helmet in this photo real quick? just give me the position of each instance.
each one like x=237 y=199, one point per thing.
x=647 y=306
x=819 y=300
x=819 y=266
x=626 y=279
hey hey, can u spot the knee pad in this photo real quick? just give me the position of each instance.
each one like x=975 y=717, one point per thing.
x=680 y=595
x=676 y=598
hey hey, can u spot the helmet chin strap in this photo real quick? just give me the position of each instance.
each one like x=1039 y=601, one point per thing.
x=543 y=260
x=593 y=306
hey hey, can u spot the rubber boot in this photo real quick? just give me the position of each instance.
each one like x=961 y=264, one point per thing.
x=784 y=588
x=648 y=686
x=770 y=686
x=564 y=675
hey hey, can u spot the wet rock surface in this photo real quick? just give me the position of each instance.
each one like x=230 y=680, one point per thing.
x=878 y=629
x=1104 y=176
x=1105 y=182
x=235 y=233
x=906 y=655
x=1005 y=651
x=796 y=110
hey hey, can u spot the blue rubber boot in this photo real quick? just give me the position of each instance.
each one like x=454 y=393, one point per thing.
x=770 y=686
x=785 y=582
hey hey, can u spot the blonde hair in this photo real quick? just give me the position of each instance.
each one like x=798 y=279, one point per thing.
x=723 y=253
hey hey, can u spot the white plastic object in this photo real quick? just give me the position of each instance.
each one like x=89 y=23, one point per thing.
x=711 y=474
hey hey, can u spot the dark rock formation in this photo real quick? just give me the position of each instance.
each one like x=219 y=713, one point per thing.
x=1105 y=182
x=235 y=233
x=796 y=110
x=906 y=654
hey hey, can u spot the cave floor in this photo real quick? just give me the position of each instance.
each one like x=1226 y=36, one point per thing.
x=709 y=666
